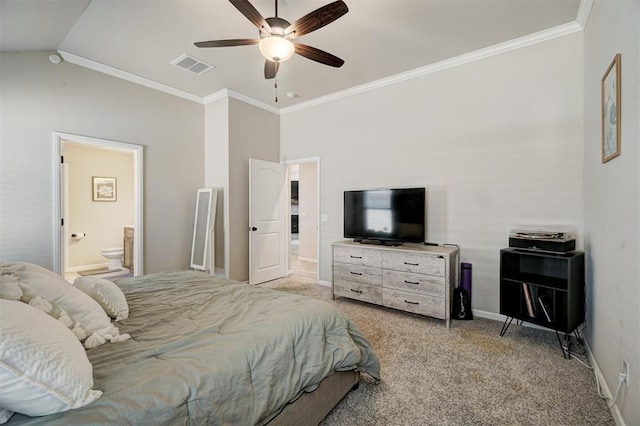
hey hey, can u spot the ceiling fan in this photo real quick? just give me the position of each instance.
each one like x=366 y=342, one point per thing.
x=276 y=35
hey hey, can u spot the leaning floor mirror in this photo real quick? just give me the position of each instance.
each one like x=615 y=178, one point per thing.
x=203 y=225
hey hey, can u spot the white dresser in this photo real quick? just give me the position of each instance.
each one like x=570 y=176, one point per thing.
x=411 y=277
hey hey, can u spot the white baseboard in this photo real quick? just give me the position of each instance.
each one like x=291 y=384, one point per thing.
x=325 y=283
x=488 y=315
x=218 y=272
x=615 y=411
x=87 y=267
x=501 y=318
x=308 y=259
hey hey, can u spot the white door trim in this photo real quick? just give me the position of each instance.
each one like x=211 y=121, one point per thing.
x=302 y=161
x=138 y=206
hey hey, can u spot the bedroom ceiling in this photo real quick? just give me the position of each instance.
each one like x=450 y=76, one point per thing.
x=377 y=39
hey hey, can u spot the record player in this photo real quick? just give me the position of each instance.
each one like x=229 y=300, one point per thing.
x=549 y=241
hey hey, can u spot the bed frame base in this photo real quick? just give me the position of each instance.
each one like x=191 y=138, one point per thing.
x=311 y=408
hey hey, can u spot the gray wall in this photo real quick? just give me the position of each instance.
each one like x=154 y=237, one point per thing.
x=216 y=173
x=236 y=131
x=611 y=203
x=253 y=133
x=38 y=97
x=497 y=143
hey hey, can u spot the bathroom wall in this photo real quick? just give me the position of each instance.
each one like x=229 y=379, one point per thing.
x=102 y=221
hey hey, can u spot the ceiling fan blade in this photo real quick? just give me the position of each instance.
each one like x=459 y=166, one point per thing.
x=318 y=55
x=227 y=43
x=317 y=19
x=252 y=14
x=270 y=69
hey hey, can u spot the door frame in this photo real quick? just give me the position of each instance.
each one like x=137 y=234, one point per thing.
x=59 y=243
x=318 y=185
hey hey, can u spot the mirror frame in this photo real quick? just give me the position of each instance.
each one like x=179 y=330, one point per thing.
x=208 y=227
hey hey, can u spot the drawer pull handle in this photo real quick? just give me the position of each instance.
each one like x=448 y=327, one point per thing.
x=411 y=282
x=411 y=264
x=357 y=291
x=356 y=257
x=356 y=273
x=411 y=303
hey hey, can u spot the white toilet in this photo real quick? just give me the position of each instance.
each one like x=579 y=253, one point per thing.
x=114 y=255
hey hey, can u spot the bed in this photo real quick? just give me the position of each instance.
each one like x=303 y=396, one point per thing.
x=204 y=350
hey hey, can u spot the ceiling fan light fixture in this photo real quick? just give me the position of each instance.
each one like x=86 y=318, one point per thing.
x=276 y=48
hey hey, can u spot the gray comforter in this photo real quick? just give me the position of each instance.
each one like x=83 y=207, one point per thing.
x=212 y=351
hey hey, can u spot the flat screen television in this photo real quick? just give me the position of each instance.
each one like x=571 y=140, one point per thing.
x=385 y=216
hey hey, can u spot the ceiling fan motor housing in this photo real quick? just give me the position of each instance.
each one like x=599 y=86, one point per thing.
x=278 y=25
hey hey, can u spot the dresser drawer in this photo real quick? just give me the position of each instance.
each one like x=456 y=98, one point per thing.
x=414 y=262
x=357 y=256
x=358 y=291
x=417 y=283
x=412 y=302
x=357 y=273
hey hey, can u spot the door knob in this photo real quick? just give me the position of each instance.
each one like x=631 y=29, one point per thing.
x=253 y=228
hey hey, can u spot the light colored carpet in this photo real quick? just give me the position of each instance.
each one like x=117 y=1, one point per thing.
x=466 y=375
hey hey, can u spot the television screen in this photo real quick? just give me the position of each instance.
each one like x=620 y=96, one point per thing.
x=385 y=214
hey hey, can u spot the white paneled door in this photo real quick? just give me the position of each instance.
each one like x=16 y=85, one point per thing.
x=267 y=220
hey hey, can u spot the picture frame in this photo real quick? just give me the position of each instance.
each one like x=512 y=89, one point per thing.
x=104 y=188
x=611 y=110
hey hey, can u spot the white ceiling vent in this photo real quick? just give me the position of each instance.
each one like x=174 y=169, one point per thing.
x=192 y=64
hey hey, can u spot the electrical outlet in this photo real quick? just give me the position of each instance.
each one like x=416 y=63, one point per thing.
x=625 y=372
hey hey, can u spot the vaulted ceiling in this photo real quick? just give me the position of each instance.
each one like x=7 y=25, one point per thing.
x=378 y=39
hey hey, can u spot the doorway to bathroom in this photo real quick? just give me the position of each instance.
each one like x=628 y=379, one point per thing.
x=304 y=218
x=98 y=185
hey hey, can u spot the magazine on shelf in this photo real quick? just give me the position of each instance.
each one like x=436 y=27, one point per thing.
x=528 y=299
x=546 y=306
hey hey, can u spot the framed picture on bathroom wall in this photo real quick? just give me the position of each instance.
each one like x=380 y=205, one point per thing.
x=104 y=188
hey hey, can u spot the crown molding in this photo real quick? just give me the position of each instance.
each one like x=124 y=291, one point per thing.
x=487 y=52
x=115 y=72
x=252 y=101
x=583 y=12
x=228 y=93
x=216 y=96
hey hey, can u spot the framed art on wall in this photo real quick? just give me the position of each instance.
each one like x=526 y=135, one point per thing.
x=611 y=105
x=104 y=188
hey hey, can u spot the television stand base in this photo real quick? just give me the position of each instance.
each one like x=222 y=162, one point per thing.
x=377 y=242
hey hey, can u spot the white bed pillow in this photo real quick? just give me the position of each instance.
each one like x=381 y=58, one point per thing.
x=107 y=294
x=52 y=294
x=43 y=367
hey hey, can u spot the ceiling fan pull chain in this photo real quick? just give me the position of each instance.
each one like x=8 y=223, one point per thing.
x=275 y=86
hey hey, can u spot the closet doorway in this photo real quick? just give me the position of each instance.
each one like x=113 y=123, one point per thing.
x=304 y=190
x=98 y=206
